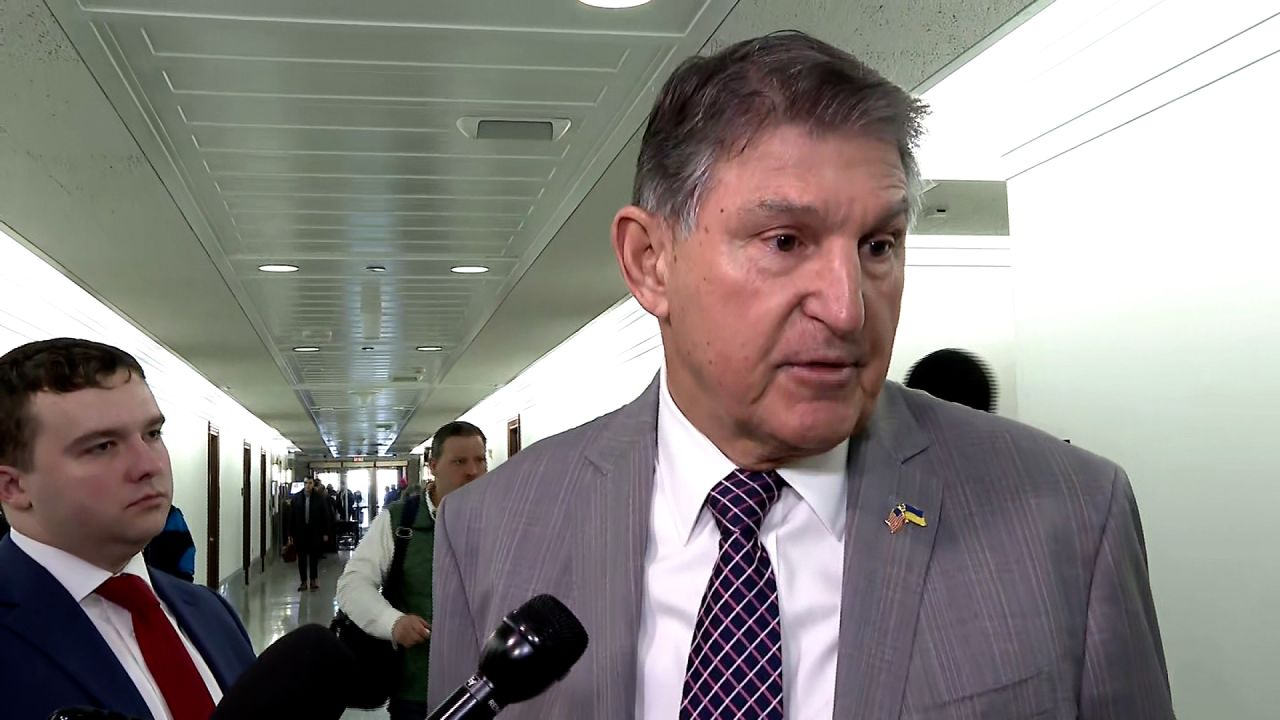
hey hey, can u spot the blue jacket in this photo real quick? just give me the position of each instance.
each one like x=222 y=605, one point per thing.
x=52 y=656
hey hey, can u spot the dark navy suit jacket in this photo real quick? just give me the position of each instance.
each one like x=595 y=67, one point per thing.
x=52 y=656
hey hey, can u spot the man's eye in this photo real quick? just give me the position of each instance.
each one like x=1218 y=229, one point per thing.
x=102 y=447
x=880 y=247
x=784 y=242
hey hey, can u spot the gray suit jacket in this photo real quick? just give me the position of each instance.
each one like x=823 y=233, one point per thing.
x=1025 y=597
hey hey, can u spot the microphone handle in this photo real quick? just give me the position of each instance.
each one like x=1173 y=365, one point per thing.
x=472 y=701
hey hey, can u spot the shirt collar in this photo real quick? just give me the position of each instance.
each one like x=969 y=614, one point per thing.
x=80 y=577
x=431 y=507
x=821 y=481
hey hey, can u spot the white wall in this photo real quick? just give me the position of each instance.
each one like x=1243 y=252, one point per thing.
x=1148 y=320
x=40 y=303
x=1149 y=330
x=958 y=294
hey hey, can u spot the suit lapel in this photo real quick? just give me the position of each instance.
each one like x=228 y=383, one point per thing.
x=57 y=626
x=610 y=563
x=883 y=573
x=217 y=651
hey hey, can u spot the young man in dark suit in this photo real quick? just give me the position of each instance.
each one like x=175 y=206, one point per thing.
x=86 y=483
x=310 y=524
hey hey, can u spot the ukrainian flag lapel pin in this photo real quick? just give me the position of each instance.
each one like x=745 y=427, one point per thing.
x=901 y=514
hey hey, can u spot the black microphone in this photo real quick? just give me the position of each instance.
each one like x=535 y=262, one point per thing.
x=288 y=681
x=84 y=713
x=531 y=650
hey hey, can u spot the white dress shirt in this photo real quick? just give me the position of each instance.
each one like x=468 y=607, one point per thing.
x=360 y=585
x=113 y=622
x=804 y=536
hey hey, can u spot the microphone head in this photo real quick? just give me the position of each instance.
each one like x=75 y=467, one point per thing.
x=533 y=648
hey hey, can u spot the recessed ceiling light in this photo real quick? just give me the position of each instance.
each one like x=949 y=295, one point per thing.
x=278 y=268
x=470 y=269
x=613 y=4
x=429 y=348
x=306 y=348
x=375 y=268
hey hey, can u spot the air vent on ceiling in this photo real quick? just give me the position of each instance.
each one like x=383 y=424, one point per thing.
x=509 y=128
x=514 y=130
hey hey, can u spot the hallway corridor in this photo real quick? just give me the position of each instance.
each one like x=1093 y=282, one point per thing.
x=271 y=606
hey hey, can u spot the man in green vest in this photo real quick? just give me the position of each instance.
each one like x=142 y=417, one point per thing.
x=457 y=456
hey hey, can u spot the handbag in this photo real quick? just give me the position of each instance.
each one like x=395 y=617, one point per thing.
x=378 y=660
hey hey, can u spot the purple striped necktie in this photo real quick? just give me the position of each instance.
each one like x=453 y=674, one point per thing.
x=735 y=663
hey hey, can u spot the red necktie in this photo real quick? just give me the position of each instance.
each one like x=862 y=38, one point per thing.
x=167 y=658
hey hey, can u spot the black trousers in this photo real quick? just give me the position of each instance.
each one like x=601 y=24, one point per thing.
x=308 y=559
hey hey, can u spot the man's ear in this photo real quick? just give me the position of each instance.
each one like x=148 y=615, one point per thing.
x=13 y=491
x=643 y=244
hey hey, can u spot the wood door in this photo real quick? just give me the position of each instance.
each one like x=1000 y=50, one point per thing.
x=262 y=510
x=246 y=504
x=215 y=509
x=513 y=436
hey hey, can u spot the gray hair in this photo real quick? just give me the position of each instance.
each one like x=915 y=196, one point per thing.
x=713 y=106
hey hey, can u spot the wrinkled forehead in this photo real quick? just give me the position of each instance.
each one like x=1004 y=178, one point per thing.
x=791 y=170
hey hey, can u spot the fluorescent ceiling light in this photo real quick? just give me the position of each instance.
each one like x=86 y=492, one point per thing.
x=614 y=4
x=376 y=268
x=470 y=269
x=306 y=348
x=429 y=348
x=367 y=348
x=278 y=268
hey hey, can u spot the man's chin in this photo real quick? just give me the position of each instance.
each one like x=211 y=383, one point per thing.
x=816 y=430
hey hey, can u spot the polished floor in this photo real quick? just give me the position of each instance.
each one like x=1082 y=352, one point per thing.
x=271 y=606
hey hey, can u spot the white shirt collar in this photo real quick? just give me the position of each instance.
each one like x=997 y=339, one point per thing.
x=80 y=577
x=820 y=480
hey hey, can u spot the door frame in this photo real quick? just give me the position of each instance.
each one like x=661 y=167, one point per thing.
x=215 y=508
x=246 y=504
x=262 y=517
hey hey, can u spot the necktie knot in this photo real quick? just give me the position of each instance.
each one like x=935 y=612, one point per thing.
x=129 y=592
x=740 y=502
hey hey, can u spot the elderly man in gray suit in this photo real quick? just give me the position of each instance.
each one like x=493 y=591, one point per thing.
x=771 y=530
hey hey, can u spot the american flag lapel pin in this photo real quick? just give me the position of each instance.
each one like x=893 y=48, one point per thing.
x=901 y=514
x=896 y=518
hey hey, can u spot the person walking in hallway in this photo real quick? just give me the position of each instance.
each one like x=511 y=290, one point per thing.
x=85 y=480
x=310 y=524
x=771 y=530
x=396 y=604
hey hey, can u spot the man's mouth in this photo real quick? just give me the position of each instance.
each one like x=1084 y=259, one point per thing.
x=147 y=499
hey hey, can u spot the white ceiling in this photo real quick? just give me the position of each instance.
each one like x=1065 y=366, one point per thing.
x=326 y=134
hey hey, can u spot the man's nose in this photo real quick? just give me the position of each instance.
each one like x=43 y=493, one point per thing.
x=835 y=298
x=146 y=460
